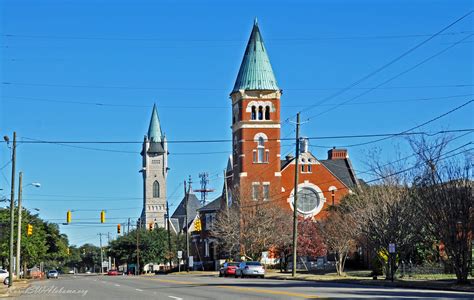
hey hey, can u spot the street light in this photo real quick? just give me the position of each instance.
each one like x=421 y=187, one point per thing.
x=18 y=238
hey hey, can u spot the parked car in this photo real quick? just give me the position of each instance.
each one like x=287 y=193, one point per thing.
x=52 y=274
x=228 y=268
x=113 y=273
x=4 y=276
x=250 y=269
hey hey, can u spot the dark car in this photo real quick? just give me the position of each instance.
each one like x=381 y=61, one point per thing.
x=228 y=268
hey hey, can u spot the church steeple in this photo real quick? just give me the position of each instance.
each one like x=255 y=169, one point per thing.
x=154 y=130
x=255 y=72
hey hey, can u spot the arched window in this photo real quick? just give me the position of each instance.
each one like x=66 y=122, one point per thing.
x=260 y=112
x=267 y=112
x=156 y=189
x=254 y=113
x=260 y=150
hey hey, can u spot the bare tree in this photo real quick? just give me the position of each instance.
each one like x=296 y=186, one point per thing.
x=340 y=232
x=445 y=194
x=226 y=230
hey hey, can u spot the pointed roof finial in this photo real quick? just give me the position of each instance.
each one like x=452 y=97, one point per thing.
x=154 y=130
x=255 y=71
x=255 y=22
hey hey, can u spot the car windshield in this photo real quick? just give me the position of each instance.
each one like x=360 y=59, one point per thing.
x=233 y=264
x=53 y=271
x=253 y=263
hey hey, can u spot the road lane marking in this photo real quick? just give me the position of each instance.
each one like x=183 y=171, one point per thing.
x=263 y=291
x=177 y=298
x=237 y=288
x=117 y=284
x=139 y=290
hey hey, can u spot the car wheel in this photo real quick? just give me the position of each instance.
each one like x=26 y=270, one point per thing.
x=220 y=274
x=263 y=276
x=6 y=281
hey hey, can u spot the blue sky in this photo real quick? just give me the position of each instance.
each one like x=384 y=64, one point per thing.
x=58 y=58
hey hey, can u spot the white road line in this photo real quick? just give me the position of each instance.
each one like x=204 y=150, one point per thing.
x=177 y=298
x=117 y=284
x=139 y=290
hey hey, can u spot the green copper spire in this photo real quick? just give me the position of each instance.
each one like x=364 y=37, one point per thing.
x=154 y=131
x=255 y=72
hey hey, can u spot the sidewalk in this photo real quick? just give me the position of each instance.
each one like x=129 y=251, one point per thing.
x=18 y=287
x=401 y=283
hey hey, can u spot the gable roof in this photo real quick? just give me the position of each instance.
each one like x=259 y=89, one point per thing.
x=342 y=169
x=180 y=213
x=255 y=71
x=212 y=206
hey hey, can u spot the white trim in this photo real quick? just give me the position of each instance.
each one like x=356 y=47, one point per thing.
x=316 y=189
x=243 y=174
x=332 y=187
x=239 y=125
x=258 y=135
x=277 y=174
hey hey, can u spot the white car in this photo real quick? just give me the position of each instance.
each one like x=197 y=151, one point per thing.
x=250 y=269
x=4 y=276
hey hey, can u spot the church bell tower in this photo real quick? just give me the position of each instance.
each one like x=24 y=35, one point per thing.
x=154 y=171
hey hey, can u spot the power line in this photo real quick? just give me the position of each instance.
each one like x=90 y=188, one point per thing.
x=391 y=62
x=292 y=39
x=390 y=79
x=194 y=89
x=103 y=104
x=348 y=136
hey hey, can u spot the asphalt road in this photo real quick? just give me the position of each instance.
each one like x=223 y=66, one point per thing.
x=176 y=287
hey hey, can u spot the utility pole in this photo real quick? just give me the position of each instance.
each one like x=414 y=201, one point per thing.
x=12 y=212
x=101 y=254
x=137 y=271
x=169 y=232
x=128 y=226
x=295 y=196
x=18 y=237
x=187 y=222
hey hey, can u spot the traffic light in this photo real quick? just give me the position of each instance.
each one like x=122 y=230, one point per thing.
x=29 y=230
x=118 y=228
x=197 y=225
x=102 y=216
x=150 y=226
x=68 y=217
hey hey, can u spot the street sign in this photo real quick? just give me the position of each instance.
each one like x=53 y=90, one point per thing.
x=391 y=248
x=191 y=261
x=180 y=254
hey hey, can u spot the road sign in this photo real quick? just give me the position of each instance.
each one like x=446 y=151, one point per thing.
x=180 y=254
x=391 y=248
x=190 y=261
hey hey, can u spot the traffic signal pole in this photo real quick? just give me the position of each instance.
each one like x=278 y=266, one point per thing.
x=18 y=238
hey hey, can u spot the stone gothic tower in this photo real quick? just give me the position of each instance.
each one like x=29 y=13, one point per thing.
x=256 y=126
x=154 y=171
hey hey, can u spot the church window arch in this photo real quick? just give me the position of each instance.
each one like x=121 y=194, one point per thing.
x=254 y=112
x=156 y=189
x=260 y=112
x=260 y=154
x=267 y=112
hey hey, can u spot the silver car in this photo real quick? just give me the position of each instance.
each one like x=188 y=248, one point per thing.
x=53 y=274
x=250 y=269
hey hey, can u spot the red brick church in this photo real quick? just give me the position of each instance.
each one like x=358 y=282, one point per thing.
x=257 y=170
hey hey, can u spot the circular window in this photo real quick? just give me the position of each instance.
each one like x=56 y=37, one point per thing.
x=308 y=200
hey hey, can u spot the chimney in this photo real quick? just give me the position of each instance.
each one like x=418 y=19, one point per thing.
x=304 y=143
x=334 y=154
